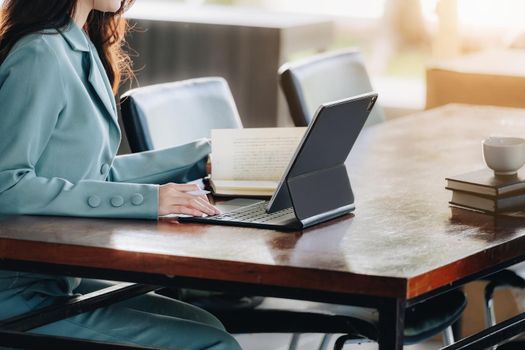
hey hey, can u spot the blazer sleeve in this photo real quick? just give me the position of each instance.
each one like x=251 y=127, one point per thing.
x=32 y=98
x=178 y=164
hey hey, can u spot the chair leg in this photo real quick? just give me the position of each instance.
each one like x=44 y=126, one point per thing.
x=341 y=341
x=349 y=338
x=295 y=341
x=325 y=341
x=448 y=336
x=490 y=314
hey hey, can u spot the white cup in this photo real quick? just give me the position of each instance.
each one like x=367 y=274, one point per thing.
x=504 y=155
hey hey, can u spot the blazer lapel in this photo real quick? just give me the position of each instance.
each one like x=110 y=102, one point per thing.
x=78 y=41
x=102 y=87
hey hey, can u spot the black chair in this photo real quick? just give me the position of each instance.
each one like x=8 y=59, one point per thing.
x=171 y=114
x=333 y=76
x=500 y=280
x=422 y=321
x=168 y=114
x=323 y=78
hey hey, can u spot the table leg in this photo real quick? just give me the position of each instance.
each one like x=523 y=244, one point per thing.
x=391 y=324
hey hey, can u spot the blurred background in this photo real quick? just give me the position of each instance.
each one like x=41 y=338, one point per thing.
x=418 y=53
x=247 y=40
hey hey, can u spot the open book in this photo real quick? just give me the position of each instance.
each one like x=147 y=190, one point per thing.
x=250 y=162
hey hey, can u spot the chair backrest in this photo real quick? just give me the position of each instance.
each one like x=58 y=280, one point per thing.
x=165 y=115
x=324 y=78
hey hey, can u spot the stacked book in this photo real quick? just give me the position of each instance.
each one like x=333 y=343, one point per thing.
x=483 y=191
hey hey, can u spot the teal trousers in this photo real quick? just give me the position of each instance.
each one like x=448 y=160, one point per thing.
x=148 y=320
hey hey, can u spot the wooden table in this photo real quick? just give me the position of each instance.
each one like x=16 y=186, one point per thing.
x=402 y=245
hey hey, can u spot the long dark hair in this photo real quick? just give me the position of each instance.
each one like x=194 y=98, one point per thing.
x=106 y=30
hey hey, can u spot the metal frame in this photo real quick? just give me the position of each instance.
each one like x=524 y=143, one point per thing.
x=198 y=283
x=491 y=336
x=74 y=306
x=22 y=340
x=13 y=331
x=391 y=310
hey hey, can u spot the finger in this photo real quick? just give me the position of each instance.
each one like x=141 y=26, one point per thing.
x=185 y=200
x=204 y=206
x=217 y=210
x=181 y=209
x=207 y=207
x=211 y=206
x=195 y=203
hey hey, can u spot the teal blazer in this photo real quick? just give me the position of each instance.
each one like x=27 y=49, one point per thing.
x=59 y=136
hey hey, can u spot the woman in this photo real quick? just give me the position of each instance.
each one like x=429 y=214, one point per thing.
x=60 y=63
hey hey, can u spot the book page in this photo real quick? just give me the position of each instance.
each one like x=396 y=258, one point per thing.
x=262 y=185
x=253 y=154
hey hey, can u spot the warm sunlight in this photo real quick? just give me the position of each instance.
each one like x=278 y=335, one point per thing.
x=496 y=13
x=490 y=13
x=493 y=13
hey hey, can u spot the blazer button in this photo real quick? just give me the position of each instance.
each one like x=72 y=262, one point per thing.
x=137 y=199
x=117 y=201
x=104 y=169
x=94 y=201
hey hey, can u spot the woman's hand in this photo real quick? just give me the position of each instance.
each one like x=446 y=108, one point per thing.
x=173 y=199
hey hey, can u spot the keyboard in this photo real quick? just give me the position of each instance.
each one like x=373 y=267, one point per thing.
x=255 y=213
x=251 y=215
